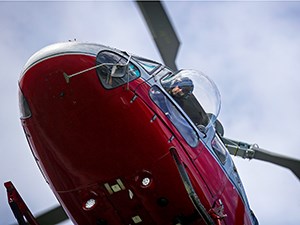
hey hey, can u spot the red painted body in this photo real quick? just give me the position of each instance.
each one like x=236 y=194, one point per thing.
x=95 y=143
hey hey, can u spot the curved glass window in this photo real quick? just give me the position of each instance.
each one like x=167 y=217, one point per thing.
x=115 y=70
x=24 y=107
x=148 y=65
x=219 y=149
x=196 y=94
x=170 y=110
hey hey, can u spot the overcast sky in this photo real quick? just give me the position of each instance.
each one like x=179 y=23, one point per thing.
x=250 y=49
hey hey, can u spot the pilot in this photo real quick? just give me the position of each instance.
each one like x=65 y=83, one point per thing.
x=181 y=89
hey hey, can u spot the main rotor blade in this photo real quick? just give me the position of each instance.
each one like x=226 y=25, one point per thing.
x=285 y=161
x=162 y=31
x=53 y=216
x=248 y=151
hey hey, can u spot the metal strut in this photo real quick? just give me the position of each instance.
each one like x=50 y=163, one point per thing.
x=18 y=206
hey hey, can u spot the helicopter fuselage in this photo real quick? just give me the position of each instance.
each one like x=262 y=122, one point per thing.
x=109 y=152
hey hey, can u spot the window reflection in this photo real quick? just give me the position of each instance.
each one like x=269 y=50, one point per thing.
x=219 y=149
x=148 y=65
x=106 y=72
x=170 y=110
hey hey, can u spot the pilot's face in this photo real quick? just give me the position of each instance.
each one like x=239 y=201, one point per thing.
x=177 y=91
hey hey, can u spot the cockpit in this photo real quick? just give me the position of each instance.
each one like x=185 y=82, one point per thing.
x=189 y=99
x=188 y=96
x=196 y=94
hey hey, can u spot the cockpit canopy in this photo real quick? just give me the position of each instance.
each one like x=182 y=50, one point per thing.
x=196 y=94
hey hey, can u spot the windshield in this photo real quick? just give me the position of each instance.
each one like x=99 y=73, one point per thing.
x=196 y=94
x=149 y=65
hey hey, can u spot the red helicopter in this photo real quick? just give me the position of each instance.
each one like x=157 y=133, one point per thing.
x=121 y=139
x=119 y=146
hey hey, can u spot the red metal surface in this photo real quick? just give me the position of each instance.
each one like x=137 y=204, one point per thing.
x=87 y=139
x=18 y=206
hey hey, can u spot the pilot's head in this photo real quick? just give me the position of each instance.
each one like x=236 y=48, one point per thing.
x=181 y=87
